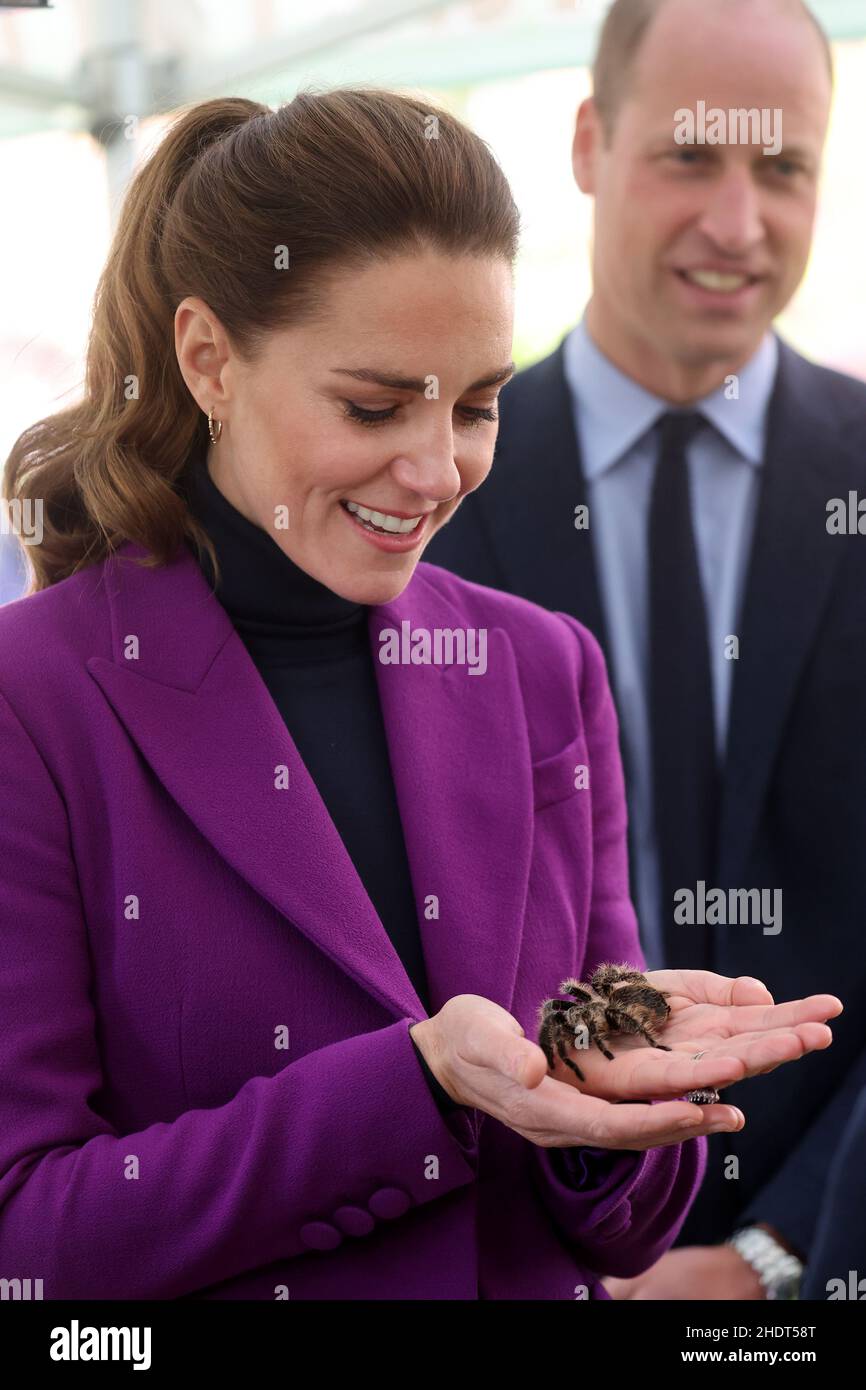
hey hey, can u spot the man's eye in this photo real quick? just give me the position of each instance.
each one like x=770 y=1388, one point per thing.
x=786 y=167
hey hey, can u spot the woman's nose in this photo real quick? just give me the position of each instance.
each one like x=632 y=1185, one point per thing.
x=429 y=472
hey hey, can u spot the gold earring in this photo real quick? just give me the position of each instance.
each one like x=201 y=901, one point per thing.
x=214 y=437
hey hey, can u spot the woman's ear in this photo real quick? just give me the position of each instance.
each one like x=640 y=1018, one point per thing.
x=202 y=350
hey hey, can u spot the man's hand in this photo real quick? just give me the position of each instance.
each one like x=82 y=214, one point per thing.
x=692 y=1272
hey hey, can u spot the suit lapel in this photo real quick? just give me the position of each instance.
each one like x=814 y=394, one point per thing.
x=528 y=508
x=203 y=719
x=792 y=565
x=530 y=525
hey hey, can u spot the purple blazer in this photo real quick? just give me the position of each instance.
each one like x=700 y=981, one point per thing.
x=208 y=1085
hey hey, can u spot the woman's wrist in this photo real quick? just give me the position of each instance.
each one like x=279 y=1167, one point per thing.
x=421 y=1034
x=443 y=1098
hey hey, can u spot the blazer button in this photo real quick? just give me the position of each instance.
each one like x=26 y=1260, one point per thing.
x=389 y=1202
x=354 y=1221
x=320 y=1235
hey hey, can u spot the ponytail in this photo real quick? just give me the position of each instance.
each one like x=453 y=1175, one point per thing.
x=105 y=468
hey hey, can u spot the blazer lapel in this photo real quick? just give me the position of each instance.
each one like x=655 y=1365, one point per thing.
x=793 y=562
x=462 y=769
x=529 y=510
x=192 y=700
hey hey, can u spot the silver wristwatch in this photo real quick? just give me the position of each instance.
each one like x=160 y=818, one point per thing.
x=779 y=1271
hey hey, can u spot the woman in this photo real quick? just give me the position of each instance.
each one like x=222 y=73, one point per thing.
x=279 y=904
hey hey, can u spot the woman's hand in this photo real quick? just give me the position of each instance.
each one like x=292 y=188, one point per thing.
x=481 y=1056
x=733 y=1022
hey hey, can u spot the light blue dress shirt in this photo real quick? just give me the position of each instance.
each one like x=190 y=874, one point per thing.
x=614 y=419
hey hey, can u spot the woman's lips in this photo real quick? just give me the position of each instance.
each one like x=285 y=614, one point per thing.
x=392 y=522
x=362 y=519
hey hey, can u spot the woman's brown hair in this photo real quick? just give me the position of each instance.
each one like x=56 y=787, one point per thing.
x=234 y=189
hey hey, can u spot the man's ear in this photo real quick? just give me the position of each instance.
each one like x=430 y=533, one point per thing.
x=587 y=142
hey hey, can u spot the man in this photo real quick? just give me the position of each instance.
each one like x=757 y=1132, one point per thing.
x=686 y=485
x=837 y=1260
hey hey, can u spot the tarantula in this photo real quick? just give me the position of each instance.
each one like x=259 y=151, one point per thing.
x=617 y=999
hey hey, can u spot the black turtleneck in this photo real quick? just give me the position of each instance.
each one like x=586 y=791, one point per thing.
x=312 y=650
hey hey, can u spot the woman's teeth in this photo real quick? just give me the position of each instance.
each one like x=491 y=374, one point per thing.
x=379 y=521
x=715 y=280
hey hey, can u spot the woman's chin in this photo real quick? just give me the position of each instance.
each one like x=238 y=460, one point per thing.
x=379 y=592
x=372 y=590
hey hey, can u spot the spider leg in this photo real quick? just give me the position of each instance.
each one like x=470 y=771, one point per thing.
x=606 y=976
x=544 y=1041
x=560 y=1047
x=601 y=1046
x=652 y=1042
x=621 y=1021
x=578 y=992
x=548 y=1036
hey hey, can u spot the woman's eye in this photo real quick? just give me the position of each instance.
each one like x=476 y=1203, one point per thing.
x=368 y=417
x=472 y=415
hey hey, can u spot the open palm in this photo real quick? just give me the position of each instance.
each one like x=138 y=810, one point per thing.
x=733 y=1022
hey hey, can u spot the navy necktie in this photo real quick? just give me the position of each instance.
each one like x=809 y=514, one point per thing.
x=685 y=772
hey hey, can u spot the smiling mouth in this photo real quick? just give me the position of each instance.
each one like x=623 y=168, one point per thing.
x=719 y=282
x=384 y=523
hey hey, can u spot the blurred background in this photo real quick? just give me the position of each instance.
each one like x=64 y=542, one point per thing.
x=87 y=87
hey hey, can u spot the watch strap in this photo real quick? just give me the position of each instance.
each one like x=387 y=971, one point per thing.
x=779 y=1271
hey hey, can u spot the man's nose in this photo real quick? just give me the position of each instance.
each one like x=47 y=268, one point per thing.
x=732 y=219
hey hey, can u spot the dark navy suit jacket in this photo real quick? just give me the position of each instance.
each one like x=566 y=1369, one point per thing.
x=839 y=1246
x=793 y=811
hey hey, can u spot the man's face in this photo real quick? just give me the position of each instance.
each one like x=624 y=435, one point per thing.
x=672 y=218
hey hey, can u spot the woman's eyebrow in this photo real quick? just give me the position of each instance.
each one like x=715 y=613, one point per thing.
x=408 y=383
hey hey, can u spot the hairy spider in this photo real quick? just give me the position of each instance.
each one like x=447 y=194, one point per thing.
x=618 y=999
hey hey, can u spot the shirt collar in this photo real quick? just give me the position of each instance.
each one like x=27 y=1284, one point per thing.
x=614 y=412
